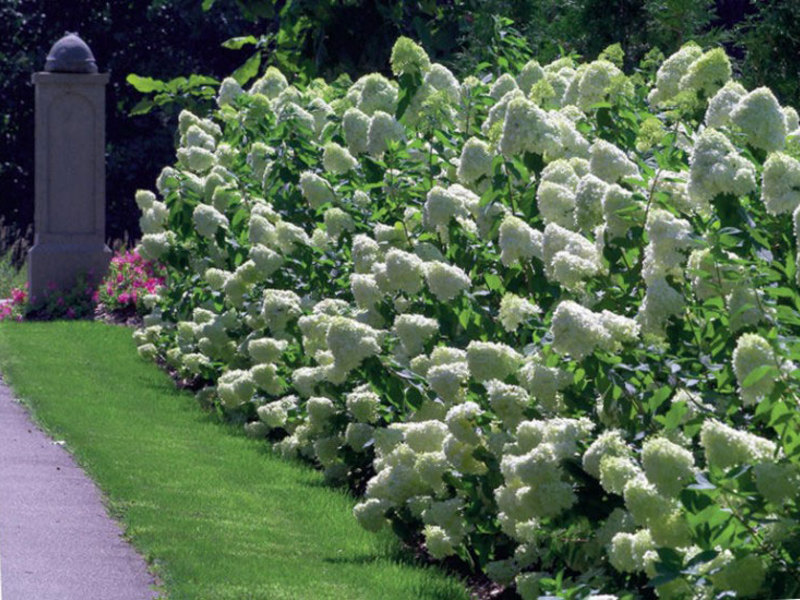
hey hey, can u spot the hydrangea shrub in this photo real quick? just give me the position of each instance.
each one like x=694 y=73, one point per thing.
x=549 y=323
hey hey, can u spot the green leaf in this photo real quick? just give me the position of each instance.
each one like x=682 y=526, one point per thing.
x=493 y=281
x=207 y=4
x=145 y=84
x=237 y=43
x=248 y=70
x=142 y=107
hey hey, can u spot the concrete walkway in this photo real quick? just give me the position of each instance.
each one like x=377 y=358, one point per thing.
x=56 y=540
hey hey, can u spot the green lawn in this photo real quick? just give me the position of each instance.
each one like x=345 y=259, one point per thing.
x=217 y=514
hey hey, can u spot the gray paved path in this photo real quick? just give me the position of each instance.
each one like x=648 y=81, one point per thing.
x=56 y=539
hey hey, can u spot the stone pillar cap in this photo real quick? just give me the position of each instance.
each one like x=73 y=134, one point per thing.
x=70 y=54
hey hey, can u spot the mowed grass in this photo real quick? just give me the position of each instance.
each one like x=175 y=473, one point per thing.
x=216 y=514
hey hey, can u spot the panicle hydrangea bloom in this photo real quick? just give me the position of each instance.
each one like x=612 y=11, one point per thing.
x=229 y=90
x=315 y=189
x=577 y=330
x=507 y=401
x=279 y=307
x=288 y=235
x=669 y=237
x=351 y=342
x=154 y=245
x=671 y=71
x=461 y=422
x=440 y=207
x=518 y=241
x=616 y=472
x=543 y=382
x=569 y=258
x=266 y=350
x=271 y=84
x=645 y=503
x=489 y=360
x=321 y=112
x=589 y=202
x=363 y=404
x=154 y=217
x=337 y=159
x=726 y=447
x=661 y=301
x=595 y=81
x=355 y=125
x=447 y=379
x=404 y=271
x=668 y=466
x=608 y=443
x=208 y=219
x=514 y=311
x=780 y=184
x=777 y=482
x=744 y=306
x=620 y=210
x=266 y=378
x=235 y=387
x=408 y=58
x=753 y=353
x=337 y=222
x=261 y=231
x=365 y=290
x=504 y=84
x=216 y=278
x=445 y=281
x=383 y=128
x=708 y=73
x=371 y=513
x=760 y=117
x=527 y=128
x=365 y=252
x=627 y=551
x=267 y=261
x=609 y=163
x=196 y=137
x=556 y=203
x=373 y=93
x=530 y=74
x=476 y=161
x=197 y=159
x=722 y=104
x=717 y=168
x=414 y=331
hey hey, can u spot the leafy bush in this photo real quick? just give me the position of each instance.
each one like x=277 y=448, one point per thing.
x=549 y=320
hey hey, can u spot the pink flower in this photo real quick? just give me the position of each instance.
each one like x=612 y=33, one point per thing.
x=70 y=313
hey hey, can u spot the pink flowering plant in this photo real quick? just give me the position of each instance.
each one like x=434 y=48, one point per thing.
x=76 y=302
x=14 y=306
x=130 y=277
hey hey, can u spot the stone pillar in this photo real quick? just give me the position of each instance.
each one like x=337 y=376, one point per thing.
x=69 y=214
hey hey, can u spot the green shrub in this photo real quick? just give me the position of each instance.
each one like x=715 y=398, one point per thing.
x=550 y=318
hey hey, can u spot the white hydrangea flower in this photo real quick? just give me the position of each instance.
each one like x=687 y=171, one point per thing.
x=518 y=241
x=288 y=235
x=461 y=422
x=514 y=311
x=336 y=159
x=556 y=203
x=595 y=81
x=373 y=93
x=744 y=306
x=153 y=246
x=266 y=261
x=404 y=271
x=609 y=163
x=754 y=353
x=279 y=307
x=266 y=378
x=569 y=258
x=627 y=551
x=216 y=278
x=208 y=219
x=507 y=401
x=365 y=252
x=490 y=360
x=667 y=465
x=414 y=331
x=616 y=472
x=235 y=387
x=316 y=190
x=351 y=342
x=726 y=447
x=722 y=104
x=669 y=238
x=371 y=513
x=365 y=290
x=476 y=161
x=543 y=382
x=530 y=74
x=383 y=128
x=577 y=330
x=780 y=184
x=717 y=168
x=777 y=482
x=527 y=128
x=271 y=84
x=708 y=73
x=661 y=301
x=337 y=222
x=759 y=115
x=671 y=71
x=266 y=350
x=589 y=202
x=355 y=125
x=409 y=58
x=154 y=217
x=198 y=160
x=445 y=281
x=447 y=379
x=229 y=90
x=440 y=207
x=609 y=443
